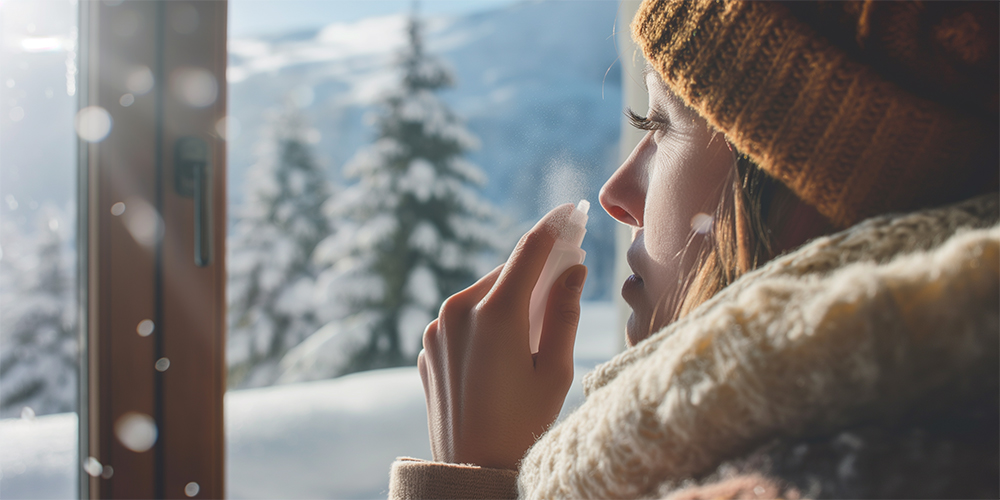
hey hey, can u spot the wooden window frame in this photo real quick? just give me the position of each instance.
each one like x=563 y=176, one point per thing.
x=123 y=281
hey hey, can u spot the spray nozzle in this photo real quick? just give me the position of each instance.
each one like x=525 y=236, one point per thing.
x=576 y=227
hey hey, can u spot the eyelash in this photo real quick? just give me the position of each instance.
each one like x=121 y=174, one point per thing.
x=643 y=122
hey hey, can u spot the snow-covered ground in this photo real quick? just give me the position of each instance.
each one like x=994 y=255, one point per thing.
x=38 y=457
x=327 y=439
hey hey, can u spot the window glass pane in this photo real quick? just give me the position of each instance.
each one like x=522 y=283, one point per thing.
x=38 y=337
x=380 y=161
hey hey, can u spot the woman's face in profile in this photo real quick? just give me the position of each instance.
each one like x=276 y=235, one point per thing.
x=664 y=191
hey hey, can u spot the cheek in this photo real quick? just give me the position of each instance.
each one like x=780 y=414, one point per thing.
x=665 y=230
x=687 y=180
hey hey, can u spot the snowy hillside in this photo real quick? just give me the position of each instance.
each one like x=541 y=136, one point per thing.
x=327 y=439
x=533 y=83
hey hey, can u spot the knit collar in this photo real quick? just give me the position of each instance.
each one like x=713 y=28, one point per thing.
x=875 y=321
x=878 y=239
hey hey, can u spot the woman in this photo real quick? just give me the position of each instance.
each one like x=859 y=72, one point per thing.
x=861 y=364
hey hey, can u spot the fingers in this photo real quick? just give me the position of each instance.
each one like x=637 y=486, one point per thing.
x=562 y=316
x=468 y=298
x=512 y=290
x=422 y=369
x=429 y=337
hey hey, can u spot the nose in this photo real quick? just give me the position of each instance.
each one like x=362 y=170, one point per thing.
x=623 y=196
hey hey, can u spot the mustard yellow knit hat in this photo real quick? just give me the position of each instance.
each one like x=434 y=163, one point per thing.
x=860 y=108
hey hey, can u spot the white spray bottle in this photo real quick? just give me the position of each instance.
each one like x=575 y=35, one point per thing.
x=566 y=252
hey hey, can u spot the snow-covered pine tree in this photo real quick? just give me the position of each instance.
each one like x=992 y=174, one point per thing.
x=38 y=359
x=421 y=230
x=271 y=271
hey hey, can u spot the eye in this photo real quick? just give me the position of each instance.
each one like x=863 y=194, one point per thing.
x=644 y=122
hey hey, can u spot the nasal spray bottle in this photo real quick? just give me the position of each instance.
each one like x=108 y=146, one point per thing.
x=566 y=252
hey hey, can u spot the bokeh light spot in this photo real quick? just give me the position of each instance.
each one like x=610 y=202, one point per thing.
x=195 y=87
x=191 y=489
x=162 y=364
x=139 y=80
x=126 y=100
x=92 y=467
x=136 y=431
x=145 y=328
x=228 y=128
x=701 y=223
x=117 y=209
x=93 y=123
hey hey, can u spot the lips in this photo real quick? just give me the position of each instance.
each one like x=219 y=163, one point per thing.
x=633 y=286
x=632 y=289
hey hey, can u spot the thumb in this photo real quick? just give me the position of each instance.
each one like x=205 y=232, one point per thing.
x=562 y=315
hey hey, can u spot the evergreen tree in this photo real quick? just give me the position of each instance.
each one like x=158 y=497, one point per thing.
x=419 y=228
x=38 y=359
x=271 y=272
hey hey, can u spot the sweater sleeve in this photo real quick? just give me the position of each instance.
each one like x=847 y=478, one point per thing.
x=413 y=478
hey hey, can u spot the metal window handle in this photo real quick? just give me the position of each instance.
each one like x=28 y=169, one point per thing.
x=193 y=179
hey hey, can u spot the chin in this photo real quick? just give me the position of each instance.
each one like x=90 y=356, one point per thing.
x=633 y=335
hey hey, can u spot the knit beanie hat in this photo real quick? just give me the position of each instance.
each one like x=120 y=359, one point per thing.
x=860 y=108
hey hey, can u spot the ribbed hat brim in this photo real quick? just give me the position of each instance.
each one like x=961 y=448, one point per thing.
x=843 y=138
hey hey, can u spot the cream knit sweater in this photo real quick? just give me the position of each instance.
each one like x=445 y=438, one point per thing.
x=865 y=325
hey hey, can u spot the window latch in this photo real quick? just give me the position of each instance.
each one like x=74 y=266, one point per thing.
x=193 y=179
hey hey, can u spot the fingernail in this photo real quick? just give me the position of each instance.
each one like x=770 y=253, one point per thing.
x=575 y=280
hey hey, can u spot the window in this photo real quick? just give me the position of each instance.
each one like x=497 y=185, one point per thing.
x=326 y=313
x=138 y=140
x=38 y=296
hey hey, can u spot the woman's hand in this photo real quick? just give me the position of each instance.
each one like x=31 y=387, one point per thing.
x=488 y=397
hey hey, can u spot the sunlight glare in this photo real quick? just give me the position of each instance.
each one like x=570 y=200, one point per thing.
x=143 y=222
x=41 y=44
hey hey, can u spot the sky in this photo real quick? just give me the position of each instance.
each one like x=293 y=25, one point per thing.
x=257 y=17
